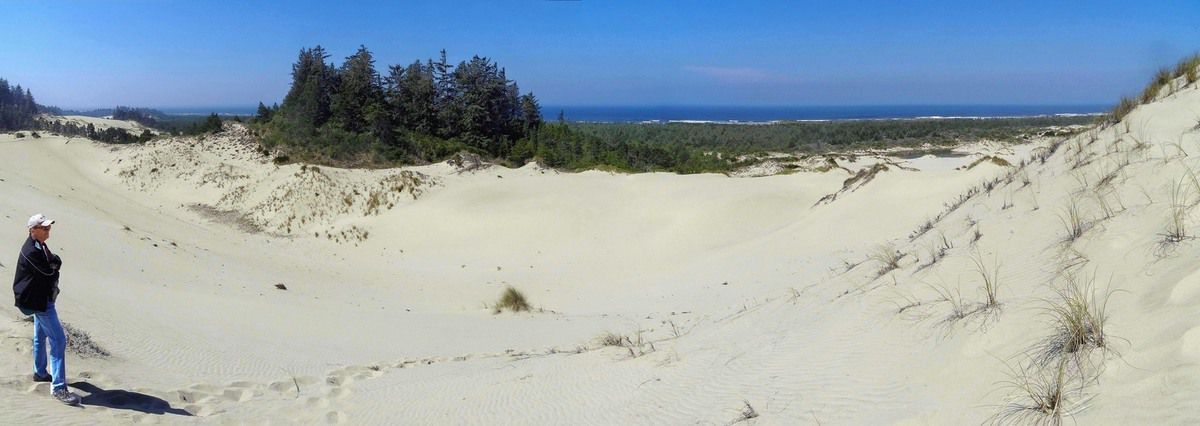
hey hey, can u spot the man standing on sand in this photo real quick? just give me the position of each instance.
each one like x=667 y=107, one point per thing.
x=36 y=288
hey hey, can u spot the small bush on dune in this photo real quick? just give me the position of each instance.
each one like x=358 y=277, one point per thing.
x=513 y=300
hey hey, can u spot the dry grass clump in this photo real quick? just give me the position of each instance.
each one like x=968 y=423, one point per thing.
x=1052 y=384
x=1079 y=315
x=1043 y=396
x=1122 y=109
x=921 y=230
x=1176 y=229
x=611 y=339
x=860 y=178
x=80 y=343
x=999 y=161
x=1186 y=68
x=888 y=258
x=1073 y=221
x=938 y=250
x=748 y=412
x=511 y=299
x=637 y=346
x=1162 y=78
x=960 y=308
x=990 y=280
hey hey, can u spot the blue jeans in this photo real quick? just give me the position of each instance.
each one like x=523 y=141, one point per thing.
x=46 y=326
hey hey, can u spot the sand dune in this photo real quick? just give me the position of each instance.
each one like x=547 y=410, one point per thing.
x=742 y=298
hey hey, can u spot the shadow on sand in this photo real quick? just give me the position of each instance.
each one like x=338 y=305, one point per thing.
x=125 y=400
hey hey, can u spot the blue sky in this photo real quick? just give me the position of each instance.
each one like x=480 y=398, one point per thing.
x=188 y=53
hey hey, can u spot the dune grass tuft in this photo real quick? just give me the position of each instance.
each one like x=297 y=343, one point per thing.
x=888 y=258
x=1176 y=227
x=990 y=280
x=938 y=249
x=1162 y=78
x=1043 y=396
x=1079 y=315
x=1121 y=110
x=1187 y=68
x=1073 y=221
x=611 y=339
x=637 y=345
x=511 y=299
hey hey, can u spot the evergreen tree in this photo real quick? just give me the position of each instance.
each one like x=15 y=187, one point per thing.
x=307 y=104
x=446 y=101
x=17 y=107
x=412 y=96
x=359 y=92
x=263 y=114
x=531 y=113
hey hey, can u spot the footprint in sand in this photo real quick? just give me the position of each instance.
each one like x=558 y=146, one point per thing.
x=238 y=395
x=314 y=402
x=290 y=386
x=96 y=378
x=338 y=393
x=200 y=410
x=335 y=417
x=195 y=396
x=336 y=380
x=242 y=391
x=16 y=384
x=1187 y=290
x=42 y=387
x=1189 y=344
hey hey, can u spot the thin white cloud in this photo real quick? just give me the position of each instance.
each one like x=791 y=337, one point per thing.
x=738 y=75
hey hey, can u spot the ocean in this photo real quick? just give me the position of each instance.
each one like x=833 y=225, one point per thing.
x=753 y=114
x=756 y=114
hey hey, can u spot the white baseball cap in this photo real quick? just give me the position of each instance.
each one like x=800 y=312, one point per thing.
x=39 y=220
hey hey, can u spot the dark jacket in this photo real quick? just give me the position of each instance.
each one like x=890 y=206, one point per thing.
x=36 y=282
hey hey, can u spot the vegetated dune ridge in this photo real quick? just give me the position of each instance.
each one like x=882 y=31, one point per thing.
x=723 y=299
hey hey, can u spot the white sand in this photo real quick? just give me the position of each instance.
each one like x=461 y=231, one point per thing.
x=740 y=283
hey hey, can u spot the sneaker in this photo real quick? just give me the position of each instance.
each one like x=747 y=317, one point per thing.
x=42 y=377
x=65 y=396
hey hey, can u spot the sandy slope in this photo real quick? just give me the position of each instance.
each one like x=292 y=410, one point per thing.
x=746 y=291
